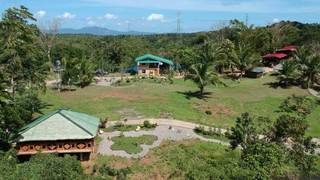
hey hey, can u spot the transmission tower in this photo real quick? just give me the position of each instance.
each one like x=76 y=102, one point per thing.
x=128 y=26
x=247 y=19
x=178 y=22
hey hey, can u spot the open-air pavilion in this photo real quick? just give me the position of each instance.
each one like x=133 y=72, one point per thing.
x=62 y=132
x=153 y=65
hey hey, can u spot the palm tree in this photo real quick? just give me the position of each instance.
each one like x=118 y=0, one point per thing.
x=288 y=73
x=309 y=65
x=243 y=58
x=205 y=61
x=199 y=73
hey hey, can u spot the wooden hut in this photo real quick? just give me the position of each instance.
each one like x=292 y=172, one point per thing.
x=62 y=132
x=153 y=65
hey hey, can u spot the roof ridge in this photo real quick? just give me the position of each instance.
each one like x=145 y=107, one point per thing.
x=69 y=119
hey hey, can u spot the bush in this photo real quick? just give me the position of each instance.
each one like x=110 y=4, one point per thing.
x=210 y=132
x=208 y=112
x=103 y=123
x=147 y=124
x=118 y=173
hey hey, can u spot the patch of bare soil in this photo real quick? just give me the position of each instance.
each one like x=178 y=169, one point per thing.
x=214 y=109
x=130 y=114
x=87 y=166
x=125 y=95
x=121 y=164
x=148 y=160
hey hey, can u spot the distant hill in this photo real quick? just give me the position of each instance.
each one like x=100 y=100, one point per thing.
x=94 y=30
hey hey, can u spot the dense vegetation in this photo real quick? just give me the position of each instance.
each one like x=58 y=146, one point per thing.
x=28 y=56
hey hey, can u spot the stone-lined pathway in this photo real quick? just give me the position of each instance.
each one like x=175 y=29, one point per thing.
x=163 y=132
x=181 y=130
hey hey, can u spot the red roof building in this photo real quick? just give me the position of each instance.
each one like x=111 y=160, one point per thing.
x=275 y=56
x=288 y=49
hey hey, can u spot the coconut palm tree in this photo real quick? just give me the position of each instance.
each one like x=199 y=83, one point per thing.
x=288 y=73
x=201 y=75
x=202 y=71
x=309 y=65
x=243 y=58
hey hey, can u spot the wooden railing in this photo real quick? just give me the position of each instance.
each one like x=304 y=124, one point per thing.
x=70 y=146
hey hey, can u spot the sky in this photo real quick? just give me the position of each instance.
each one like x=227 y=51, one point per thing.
x=162 y=15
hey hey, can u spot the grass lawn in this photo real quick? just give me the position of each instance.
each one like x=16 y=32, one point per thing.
x=132 y=144
x=153 y=100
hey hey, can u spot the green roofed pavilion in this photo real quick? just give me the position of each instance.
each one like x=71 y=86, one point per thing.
x=149 y=64
x=149 y=58
x=60 y=125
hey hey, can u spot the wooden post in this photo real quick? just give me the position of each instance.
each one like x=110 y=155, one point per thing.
x=81 y=157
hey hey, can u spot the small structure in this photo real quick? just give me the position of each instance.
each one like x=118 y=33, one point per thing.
x=273 y=59
x=256 y=72
x=288 y=49
x=153 y=65
x=285 y=53
x=62 y=132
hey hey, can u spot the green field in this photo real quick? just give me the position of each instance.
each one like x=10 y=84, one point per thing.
x=153 y=100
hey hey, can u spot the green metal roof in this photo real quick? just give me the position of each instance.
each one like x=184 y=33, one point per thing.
x=149 y=58
x=60 y=125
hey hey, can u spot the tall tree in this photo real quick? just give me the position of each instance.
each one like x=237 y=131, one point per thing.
x=243 y=58
x=47 y=37
x=309 y=65
x=20 y=57
x=85 y=72
x=202 y=75
x=202 y=72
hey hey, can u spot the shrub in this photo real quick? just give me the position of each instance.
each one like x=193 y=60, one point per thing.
x=210 y=132
x=103 y=123
x=208 y=112
x=147 y=124
x=118 y=173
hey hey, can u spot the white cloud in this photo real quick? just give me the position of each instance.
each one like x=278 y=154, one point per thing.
x=110 y=16
x=155 y=17
x=276 y=20
x=40 y=14
x=67 y=15
x=91 y=23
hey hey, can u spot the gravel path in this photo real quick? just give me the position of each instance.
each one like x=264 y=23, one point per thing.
x=181 y=130
x=163 y=132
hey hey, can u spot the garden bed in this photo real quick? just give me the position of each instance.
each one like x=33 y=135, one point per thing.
x=132 y=145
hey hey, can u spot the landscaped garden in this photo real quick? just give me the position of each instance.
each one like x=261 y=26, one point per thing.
x=150 y=99
x=132 y=145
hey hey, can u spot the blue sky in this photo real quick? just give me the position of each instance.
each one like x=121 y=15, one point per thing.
x=161 y=15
